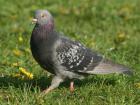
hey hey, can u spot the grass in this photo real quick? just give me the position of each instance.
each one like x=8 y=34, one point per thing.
x=95 y=23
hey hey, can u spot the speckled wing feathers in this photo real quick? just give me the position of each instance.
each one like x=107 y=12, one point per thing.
x=75 y=57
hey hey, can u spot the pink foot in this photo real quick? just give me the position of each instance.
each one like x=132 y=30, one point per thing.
x=72 y=86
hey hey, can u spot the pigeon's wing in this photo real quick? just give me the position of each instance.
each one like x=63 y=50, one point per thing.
x=76 y=57
x=79 y=59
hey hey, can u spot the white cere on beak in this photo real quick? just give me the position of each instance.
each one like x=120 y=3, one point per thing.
x=34 y=21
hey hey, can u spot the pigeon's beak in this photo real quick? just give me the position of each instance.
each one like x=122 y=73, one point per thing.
x=34 y=21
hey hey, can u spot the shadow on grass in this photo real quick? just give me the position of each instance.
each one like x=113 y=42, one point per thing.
x=43 y=82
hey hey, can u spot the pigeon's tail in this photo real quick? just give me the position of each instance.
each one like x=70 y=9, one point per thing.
x=107 y=67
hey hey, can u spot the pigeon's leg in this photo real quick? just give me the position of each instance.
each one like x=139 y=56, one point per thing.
x=54 y=84
x=71 y=86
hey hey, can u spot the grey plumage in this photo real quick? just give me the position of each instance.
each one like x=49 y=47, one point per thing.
x=63 y=57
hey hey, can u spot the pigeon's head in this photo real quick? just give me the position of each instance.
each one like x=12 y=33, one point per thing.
x=42 y=17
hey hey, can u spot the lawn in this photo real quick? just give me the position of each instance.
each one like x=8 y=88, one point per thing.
x=111 y=27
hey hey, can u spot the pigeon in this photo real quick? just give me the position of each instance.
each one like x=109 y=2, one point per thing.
x=66 y=58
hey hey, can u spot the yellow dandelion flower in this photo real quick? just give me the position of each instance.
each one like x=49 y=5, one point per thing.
x=17 y=52
x=15 y=64
x=125 y=11
x=137 y=85
x=27 y=50
x=121 y=37
x=64 y=10
x=20 y=39
x=26 y=73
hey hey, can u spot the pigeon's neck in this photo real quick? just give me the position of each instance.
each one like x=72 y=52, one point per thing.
x=44 y=34
x=47 y=28
x=44 y=31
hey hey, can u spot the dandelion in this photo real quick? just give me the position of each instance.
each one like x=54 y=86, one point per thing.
x=27 y=50
x=26 y=73
x=125 y=11
x=20 y=39
x=17 y=52
x=121 y=37
x=15 y=64
x=64 y=10
x=137 y=85
x=118 y=41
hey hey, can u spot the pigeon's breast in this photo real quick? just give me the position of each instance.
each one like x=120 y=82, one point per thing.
x=42 y=53
x=42 y=42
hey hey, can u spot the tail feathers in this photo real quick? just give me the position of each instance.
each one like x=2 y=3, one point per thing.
x=107 y=67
